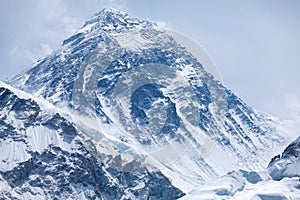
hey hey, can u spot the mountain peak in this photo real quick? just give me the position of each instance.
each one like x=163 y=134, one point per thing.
x=112 y=11
x=147 y=92
x=107 y=13
x=113 y=20
x=108 y=21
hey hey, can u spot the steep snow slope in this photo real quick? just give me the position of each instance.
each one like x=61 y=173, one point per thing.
x=140 y=96
x=43 y=157
x=281 y=180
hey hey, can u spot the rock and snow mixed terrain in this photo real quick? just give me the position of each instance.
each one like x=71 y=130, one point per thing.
x=124 y=111
x=280 y=180
x=43 y=157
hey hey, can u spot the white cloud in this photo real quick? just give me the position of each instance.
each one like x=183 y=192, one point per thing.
x=293 y=106
x=163 y=24
x=32 y=54
x=46 y=49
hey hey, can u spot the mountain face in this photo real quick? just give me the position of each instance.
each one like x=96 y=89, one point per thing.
x=43 y=157
x=132 y=114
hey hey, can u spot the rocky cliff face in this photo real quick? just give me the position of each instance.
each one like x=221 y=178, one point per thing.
x=288 y=163
x=43 y=157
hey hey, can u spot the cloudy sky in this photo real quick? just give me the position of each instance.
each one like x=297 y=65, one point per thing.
x=254 y=44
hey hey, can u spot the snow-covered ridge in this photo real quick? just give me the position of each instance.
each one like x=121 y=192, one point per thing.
x=111 y=21
x=19 y=111
x=23 y=95
x=115 y=21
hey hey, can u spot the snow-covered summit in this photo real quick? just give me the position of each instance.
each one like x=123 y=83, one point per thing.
x=148 y=92
x=116 y=21
x=110 y=21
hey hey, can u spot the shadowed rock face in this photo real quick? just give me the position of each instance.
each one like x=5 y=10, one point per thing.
x=293 y=150
x=62 y=174
x=57 y=173
x=287 y=164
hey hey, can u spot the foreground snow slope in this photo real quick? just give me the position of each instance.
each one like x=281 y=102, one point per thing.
x=281 y=180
